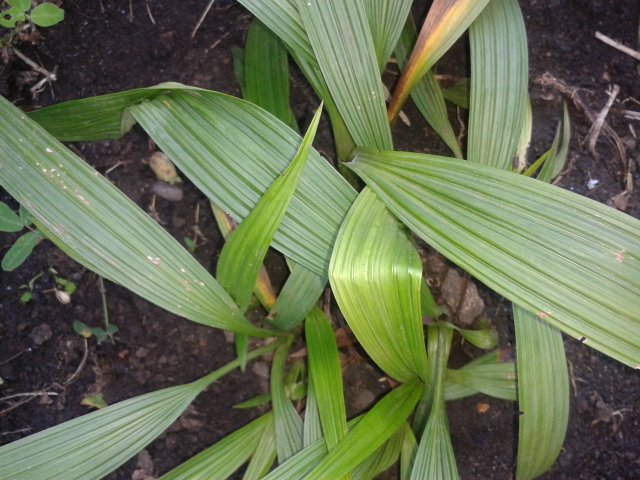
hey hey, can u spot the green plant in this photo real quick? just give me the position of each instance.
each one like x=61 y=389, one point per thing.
x=567 y=262
x=20 y=11
x=21 y=249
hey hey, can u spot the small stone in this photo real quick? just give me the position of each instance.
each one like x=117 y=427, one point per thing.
x=364 y=399
x=168 y=192
x=471 y=306
x=141 y=352
x=41 y=334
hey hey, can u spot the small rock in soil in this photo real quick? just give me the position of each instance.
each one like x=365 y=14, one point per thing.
x=168 y=192
x=144 y=468
x=41 y=334
x=472 y=305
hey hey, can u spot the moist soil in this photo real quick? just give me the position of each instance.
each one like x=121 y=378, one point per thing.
x=105 y=46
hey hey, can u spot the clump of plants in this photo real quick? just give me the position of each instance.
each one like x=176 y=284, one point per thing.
x=566 y=262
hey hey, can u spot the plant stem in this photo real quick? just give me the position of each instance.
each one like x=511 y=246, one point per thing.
x=105 y=309
x=208 y=379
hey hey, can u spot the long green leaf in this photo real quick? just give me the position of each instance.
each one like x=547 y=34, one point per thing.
x=224 y=457
x=91 y=446
x=298 y=296
x=287 y=421
x=341 y=40
x=386 y=19
x=557 y=156
x=375 y=427
x=573 y=262
x=543 y=394
x=427 y=93
x=434 y=457
x=266 y=73
x=497 y=380
x=376 y=276
x=242 y=255
x=264 y=456
x=100 y=227
x=312 y=429
x=194 y=128
x=382 y=459
x=325 y=373
x=499 y=82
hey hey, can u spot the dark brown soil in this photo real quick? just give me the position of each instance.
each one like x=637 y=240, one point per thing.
x=100 y=48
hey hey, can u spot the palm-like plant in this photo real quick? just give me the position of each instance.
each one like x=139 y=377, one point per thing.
x=567 y=263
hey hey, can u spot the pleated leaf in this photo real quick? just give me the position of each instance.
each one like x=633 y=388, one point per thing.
x=445 y=23
x=266 y=73
x=287 y=421
x=232 y=151
x=381 y=459
x=499 y=82
x=264 y=456
x=557 y=155
x=312 y=429
x=299 y=294
x=543 y=394
x=497 y=380
x=386 y=19
x=224 y=457
x=434 y=456
x=341 y=40
x=325 y=373
x=242 y=255
x=194 y=128
x=373 y=429
x=376 y=276
x=427 y=93
x=97 y=225
x=573 y=262
x=408 y=450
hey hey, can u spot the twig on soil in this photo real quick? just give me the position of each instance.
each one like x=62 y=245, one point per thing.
x=74 y=376
x=105 y=308
x=201 y=19
x=28 y=394
x=51 y=76
x=596 y=127
x=618 y=46
x=548 y=80
x=15 y=432
x=13 y=357
x=130 y=11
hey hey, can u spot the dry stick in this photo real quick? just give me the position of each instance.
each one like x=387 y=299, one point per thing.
x=38 y=68
x=618 y=46
x=201 y=19
x=594 y=131
x=83 y=362
x=153 y=20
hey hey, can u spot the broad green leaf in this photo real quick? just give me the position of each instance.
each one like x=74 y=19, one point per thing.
x=499 y=82
x=46 y=15
x=426 y=93
x=386 y=19
x=445 y=23
x=97 y=118
x=11 y=16
x=24 y=5
x=232 y=151
x=573 y=262
x=325 y=373
x=226 y=456
x=242 y=255
x=20 y=250
x=91 y=446
x=557 y=156
x=341 y=40
x=382 y=459
x=373 y=429
x=299 y=294
x=266 y=73
x=543 y=394
x=376 y=276
x=287 y=422
x=434 y=456
x=9 y=220
x=97 y=225
x=264 y=456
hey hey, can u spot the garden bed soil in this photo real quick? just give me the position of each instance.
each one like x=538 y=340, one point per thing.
x=103 y=47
